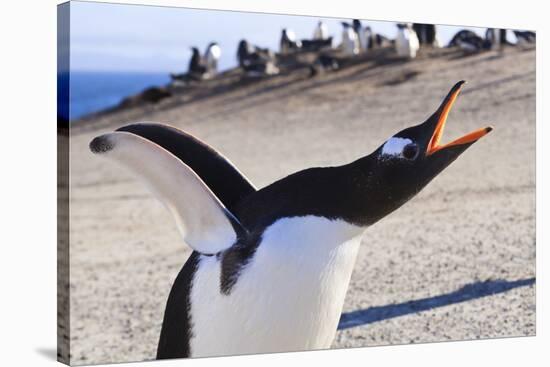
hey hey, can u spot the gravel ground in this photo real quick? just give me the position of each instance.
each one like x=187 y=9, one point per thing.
x=457 y=262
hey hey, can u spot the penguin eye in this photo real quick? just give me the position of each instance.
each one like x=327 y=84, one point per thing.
x=410 y=151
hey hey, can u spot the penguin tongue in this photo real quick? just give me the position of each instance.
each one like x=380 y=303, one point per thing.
x=448 y=103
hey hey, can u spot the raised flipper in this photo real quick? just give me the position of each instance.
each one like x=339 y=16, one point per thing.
x=204 y=222
x=217 y=172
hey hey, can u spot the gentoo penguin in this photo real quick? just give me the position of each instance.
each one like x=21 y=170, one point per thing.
x=370 y=36
x=321 y=39
x=504 y=37
x=374 y=39
x=196 y=64
x=271 y=267
x=492 y=39
x=212 y=56
x=324 y=62
x=350 y=41
x=316 y=45
x=426 y=33
x=321 y=31
x=288 y=42
x=406 y=43
x=468 y=41
x=361 y=35
x=256 y=61
x=244 y=50
x=525 y=37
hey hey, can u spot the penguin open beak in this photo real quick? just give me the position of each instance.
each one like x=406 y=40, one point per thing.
x=440 y=120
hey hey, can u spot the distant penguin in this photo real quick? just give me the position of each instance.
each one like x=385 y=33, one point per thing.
x=369 y=36
x=196 y=63
x=322 y=64
x=262 y=69
x=361 y=35
x=468 y=41
x=211 y=57
x=492 y=39
x=525 y=37
x=350 y=41
x=256 y=61
x=270 y=268
x=406 y=43
x=288 y=42
x=426 y=33
x=243 y=52
x=316 y=45
x=504 y=37
x=321 y=31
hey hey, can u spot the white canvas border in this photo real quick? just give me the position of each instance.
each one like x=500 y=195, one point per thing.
x=28 y=151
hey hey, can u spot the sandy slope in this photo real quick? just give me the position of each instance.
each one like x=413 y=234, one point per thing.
x=472 y=227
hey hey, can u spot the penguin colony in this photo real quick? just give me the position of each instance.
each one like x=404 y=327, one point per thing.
x=270 y=267
x=355 y=40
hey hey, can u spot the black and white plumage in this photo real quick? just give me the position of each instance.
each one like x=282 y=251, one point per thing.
x=350 y=40
x=244 y=52
x=316 y=44
x=197 y=64
x=492 y=39
x=201 y=66
x=289 y=43
x=406 y=43
x=270 y=267
x=469 y=41
x=324 y=63
x=256 y=61
x=362 y=36
x=212 y=57
x=427 y=34
x=525 y=37
x=369 y=36
x=321 y=31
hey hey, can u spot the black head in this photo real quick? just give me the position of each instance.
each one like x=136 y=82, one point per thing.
x=410 y=159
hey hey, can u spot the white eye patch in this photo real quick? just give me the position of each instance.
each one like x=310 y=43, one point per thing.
x=394 y=146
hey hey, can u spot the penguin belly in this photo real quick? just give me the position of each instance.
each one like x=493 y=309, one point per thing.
x=289 y=296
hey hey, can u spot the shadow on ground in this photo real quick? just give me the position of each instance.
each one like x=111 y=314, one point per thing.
x=466 y=293
x=48 y=353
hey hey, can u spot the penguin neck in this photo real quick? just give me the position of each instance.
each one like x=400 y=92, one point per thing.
x=345 y=193
x=378 y=192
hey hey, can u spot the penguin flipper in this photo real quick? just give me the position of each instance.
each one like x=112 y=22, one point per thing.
x=217 y=172
x=204 y=222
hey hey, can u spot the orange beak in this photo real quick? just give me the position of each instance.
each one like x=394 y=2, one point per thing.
x=433 y=145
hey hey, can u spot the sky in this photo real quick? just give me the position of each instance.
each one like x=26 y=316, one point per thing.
x=138 y=38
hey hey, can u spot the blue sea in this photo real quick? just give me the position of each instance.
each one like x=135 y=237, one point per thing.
x=92 y=91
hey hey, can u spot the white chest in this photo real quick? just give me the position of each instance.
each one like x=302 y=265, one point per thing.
x=288 y=298
x=406 y=43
